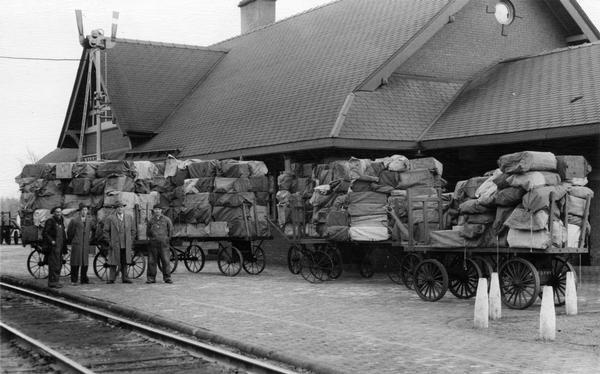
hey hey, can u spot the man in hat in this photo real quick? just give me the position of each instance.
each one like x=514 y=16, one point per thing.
x=160 y=230
x=120 y=231
x=80 y=232
x=55 y=241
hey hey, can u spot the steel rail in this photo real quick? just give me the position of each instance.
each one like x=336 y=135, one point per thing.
x=232 y=358
x=62 y=359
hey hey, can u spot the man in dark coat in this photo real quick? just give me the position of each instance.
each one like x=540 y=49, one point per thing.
x=80 y=232
x=159 y=231
x=120 y=231
x=55 y=242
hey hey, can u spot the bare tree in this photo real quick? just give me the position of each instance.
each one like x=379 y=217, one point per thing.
x=30 y=158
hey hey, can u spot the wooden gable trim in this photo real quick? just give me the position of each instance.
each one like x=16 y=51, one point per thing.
x=417 y=41
x=582 y=20
x=83 y=63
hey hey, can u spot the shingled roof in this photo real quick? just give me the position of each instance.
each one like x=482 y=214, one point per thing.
x=286 y=83
x=557 y=92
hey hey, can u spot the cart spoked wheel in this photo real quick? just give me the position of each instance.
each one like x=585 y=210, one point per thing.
x=101 y=266
x=558 y=279
x=136 y=267
x=336 y=258
x=294 y=259
x=430 y=280
x=409 y=263
x=463 y=277
x=229 y=260
x=519 y=283
x=322 y=265
x=37 y=264
x=366 y=268
x=306 y=265
x=255 y=262
x=65 y=269
x=173 y=259
x=194 y=258
x=393 y=268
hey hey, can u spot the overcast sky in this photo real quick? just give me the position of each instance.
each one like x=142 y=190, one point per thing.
x=34 y=94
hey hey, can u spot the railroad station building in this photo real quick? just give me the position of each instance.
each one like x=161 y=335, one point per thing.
x=464 y=81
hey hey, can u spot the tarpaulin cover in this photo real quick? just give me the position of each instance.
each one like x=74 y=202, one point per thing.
x=472 y=206
x=145 y=169
x=196 y=230
x=115 y=197
x=234 y=169
x=171 y=165
x=338 y=233
x=120 y=183
x=570 y=167
x=368 y=234
x=27 y=200
x=37 y=171
x=340 y=202
x=84 y=170
x=218 y=229
x=502 y=214
x=367 y=198
x=418 y=177
x=539 y=198
x=115 y=168
x=197 y=208
x=375 y=220
x=98 y=186
x=576 y=206
x=147 y=201
x=49 y=188
x=449 y=239
x=262 y=198
x=46 y=202
x=28 y=184
x=481 y=218
x=175 y=214
x=361 y=186
x=360 y=168
x=232 y=199
x=203 y=169
x=537 y=239
x=26 y=217
x=234 y=218
x=340 y=185
x=286 y=181
x=180 y=176
x=40 y=216
x=258 y=168
x=73 y=201
x=179 y=230
x=323 y=174
x=259 y=184
x=341 y=170
x=143 y=186
x=530 y=180
x=189 y=186
x=510 y=196
x=469 y=188
x=161 y=184
x=206 y=184
x=365 y=209
x=472 y=230
x=429 y=163
x=520 y=162
x=394 y=163
x=522 y=219
x=337 y=218
x=573 y=234
x=64 y=170
x=433 y=215
x=486 y=192
x=581 y=192
x=501 y=180
x=80 y=186
x=177 y=197
x=319 y=200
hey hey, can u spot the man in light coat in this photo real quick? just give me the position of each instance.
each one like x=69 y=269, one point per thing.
x=120 y=231
x=79 y=233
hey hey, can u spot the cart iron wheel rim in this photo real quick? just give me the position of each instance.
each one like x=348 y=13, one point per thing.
x=393 y=267
x=306 y=263
x=194 y=258
x=294 y=259
x=37 y=265
x=65 y=269
x=229 y=260
x=322 y=265
x=463 y=278
x=519 y=283
x=101 y=266
x=558 y=279
x=173 y=259
x=430 y=280
x=409 y=263
x=255 y=263
x=136 y=267
x=336 y=258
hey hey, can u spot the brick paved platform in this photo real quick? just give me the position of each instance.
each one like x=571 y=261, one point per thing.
x=351 y=325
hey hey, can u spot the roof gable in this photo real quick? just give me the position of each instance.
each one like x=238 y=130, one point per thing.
x=285 y=83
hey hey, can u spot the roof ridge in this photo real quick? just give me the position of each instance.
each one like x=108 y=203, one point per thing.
x=551 y=51
x=426 y=78
x=169 y=45
x=280 y=21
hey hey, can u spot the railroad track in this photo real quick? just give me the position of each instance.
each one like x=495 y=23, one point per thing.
x=48 y=334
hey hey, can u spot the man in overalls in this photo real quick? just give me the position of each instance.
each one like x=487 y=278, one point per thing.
x=160 y=230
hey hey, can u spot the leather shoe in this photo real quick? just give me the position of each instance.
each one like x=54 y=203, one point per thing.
x=127 y=281
x=87 y=281
x=110 y=282
x=150 y=281
x=58 y=285
x=168 y=281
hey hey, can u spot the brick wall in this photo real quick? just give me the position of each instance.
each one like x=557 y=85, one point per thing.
x=474 y=42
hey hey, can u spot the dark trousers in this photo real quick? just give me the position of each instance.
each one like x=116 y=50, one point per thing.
x=54 y=258
x=75 y=274
x=159 y=252
x=122 y=267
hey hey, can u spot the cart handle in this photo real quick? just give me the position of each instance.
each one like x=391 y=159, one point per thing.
x=279 y=230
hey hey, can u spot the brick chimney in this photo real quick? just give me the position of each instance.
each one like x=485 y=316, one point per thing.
x=256 y=13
